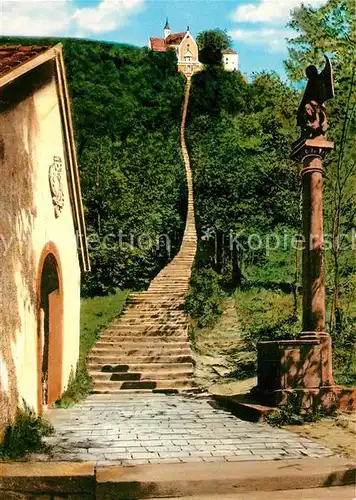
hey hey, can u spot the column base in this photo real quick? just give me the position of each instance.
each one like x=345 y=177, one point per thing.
x=329 y=397
x=302 y=366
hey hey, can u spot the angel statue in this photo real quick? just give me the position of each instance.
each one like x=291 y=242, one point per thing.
x=311 y=116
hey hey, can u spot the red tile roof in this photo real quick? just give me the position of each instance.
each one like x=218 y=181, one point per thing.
x=175 y=38
x=229 y=51
x=13 y=56
x=158 y=45
x=162 y=44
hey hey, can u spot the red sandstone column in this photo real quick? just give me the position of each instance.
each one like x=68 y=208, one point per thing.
x=313 y=254
x=311 y=153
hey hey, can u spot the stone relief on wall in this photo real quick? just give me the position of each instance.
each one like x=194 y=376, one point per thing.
x=56 y=185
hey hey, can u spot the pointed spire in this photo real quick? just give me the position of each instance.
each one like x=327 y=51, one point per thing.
x=167 y=25
x=188 y=28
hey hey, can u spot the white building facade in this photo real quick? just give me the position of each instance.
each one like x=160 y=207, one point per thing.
x=230 y=60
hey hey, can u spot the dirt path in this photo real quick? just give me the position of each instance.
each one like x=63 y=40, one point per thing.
x=338 y=434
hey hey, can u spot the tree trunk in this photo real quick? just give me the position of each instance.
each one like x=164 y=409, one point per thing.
x=236 y=266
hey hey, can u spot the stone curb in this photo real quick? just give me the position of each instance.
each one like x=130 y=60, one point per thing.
x=179 y=480
x=42 y=481
x=242 y=406
x=83 y=481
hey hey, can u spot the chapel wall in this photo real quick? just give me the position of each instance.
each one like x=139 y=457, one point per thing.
x=192 y=47
x=31 y=138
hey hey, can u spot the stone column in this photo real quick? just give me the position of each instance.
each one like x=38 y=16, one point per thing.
x=313 y=253
x=311 y=153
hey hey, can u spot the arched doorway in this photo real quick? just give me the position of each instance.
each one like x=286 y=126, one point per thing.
x=50 y=333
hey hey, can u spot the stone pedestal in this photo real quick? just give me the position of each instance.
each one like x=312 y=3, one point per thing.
x=304 y=366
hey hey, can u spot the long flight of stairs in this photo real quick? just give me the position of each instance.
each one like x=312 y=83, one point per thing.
x=147 y=348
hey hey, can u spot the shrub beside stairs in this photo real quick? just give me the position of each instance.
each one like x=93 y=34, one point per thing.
x=147 y=349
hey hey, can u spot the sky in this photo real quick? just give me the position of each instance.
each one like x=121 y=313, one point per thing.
x=257 y=27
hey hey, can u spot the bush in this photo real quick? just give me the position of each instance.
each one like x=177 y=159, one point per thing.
x=344 y=351
x=266 y=315
x=291 y=413
x=204 y=300
x=25 y=435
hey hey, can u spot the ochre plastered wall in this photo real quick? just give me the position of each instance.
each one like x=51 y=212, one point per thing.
x=192 y=47
x=30 y=137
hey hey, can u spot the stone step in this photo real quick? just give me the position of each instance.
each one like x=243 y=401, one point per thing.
x=153 y=314
x=143 y=340
x=152 y=299
x=158 y=320
x=150 y=315
x=112 y=359
x=154 y=305
x=178 y=336
x=123 y=326
x=162 y=385
x=163 y=329
x=140 y=351
x=175 y=336
x=163 y=278
x=147 y=348
x=157 y=299
x=143 y=367
x=146 y=344
x=167 y=285
x=139 y=325
x=245 y=480
x=141 y=376
x=177 y=289
x=165 y=390
x=178 y=293
x=161 y=289
x=179 y=279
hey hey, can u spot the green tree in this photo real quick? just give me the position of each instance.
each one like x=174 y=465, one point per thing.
x=329 y=29
x=239 y=138
x=211 y=43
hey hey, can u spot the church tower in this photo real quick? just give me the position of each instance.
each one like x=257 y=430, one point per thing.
x=167 y=29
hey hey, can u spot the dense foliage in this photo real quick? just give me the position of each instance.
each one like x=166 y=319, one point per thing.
x=248 y=191
x=127 y=106
x=211 y=43
x=203 y=302
x=246 y=186
x=126 y=103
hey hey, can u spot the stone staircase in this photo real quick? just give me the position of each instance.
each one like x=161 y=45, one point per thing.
x=147 y=349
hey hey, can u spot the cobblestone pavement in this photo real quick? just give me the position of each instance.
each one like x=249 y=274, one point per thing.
x=157 y=428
